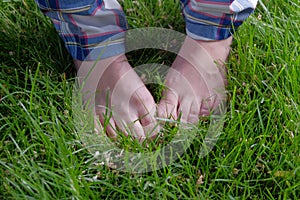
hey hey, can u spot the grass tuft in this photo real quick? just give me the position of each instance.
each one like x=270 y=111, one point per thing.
x=256 y=156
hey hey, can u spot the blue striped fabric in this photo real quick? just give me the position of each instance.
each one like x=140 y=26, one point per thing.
x=215 y=19
x=84 y=25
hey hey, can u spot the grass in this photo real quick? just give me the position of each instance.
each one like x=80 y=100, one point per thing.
x=256 y=157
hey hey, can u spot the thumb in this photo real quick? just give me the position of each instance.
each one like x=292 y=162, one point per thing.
x=167 y=107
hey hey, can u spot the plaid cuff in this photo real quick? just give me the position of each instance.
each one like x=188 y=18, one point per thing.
x=90 y=30
x=215 y=19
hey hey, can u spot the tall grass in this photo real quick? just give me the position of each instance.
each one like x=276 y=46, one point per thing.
x=256 y=157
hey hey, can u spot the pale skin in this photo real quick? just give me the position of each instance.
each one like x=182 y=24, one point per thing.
x=139 y=115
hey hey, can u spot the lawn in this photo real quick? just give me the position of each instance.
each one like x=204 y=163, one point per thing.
x=257 y=156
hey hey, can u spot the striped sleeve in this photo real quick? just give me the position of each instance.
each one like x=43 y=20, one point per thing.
x=215 y=19
x=89 y=29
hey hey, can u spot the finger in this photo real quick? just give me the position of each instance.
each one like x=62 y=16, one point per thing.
x=98 y=125
x=111 y=129
x=121 y=125
x=131 y=127
x=149 y=123
x=137 y=131
x=193 y=115
x=184 y=109
x=167 y=107
x=207 y=105
x=107 y=121
x=143 y=104
x=152 y=130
